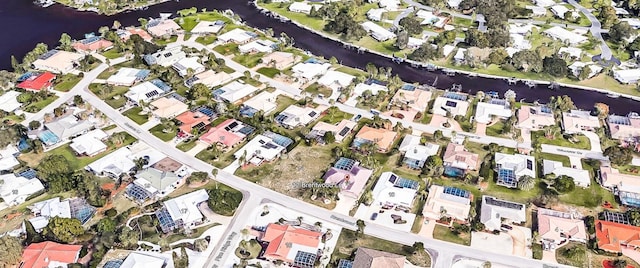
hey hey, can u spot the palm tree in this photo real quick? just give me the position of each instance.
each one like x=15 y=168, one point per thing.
x=361 y=225
x=214 y=172
x=526 y=183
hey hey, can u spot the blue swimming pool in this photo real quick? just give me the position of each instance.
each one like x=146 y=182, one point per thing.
x=453 y=172
x=48 y=138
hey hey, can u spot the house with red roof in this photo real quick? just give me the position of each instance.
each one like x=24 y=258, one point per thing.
x=192 y=121
x=49 y=254
x=227 y=134
x=38 y=82
x=292 y=245
x=613 y=236
x=91 y=44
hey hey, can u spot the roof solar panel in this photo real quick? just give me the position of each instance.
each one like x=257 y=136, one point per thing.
x=29 y=174
x=455 y=96
x=247 y=130
x=345 y=264
x=451 y=104
x=279 y=139
x=48 y=54
x=113 y=264
x=305 y=259
x=406 y=183
x=502 y=203
x=344 y=131
x=456 y=192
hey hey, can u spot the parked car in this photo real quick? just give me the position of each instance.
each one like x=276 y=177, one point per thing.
x=374 y=216
x=505 y=227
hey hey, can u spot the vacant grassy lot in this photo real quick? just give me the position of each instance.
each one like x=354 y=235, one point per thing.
x=66 y=82
x=189 y=22
x=317 y=89
x=226 y=49
x=165 y=41
x=445 y=234
x=112 y=54
x=136 y=115
x=186 y=146
x=574 y=254
x=559 y=140
x=334 y=116
x=269 y=71
x=206 y=40
x=249 y=60
x=159 y=131
x=349 y=242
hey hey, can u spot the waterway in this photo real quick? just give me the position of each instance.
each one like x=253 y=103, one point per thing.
x=26 y=25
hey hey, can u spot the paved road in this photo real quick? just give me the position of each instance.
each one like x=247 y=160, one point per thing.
x=570 y=152
x=596 y=29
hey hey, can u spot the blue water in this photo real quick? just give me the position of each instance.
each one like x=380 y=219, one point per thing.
x=453 y=172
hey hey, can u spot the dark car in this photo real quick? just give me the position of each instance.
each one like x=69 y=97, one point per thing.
x=505 y=227
x=374 y=216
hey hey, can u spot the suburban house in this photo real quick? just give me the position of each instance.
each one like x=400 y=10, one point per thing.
x=137 y=259
x=128 y=32
x=14 y=190
x=581 y=177
x=188 y=66
x=451 y=103
x=162 y=27
x=310 y=69
x=227 y=134
x=90 y=144
x=381 y=137
x=262 y=149
x=209 y=78
x=296 y=116
x=76 y=208
x=374 y=86
x=152 y=183
x=8 y=158
x=616 y=233
x=559 y=11
x=511 y=168
x=208 y=27
x=37 y=81
x=375 y=14
x=412 y=102
x=537 y=11
x=128 y=76
x=165 y=57
x=238 y=36
x=234 y=92
x=377 y=32
x=68 y=126
x=339 y=130
x=626 y=186
x=349 y=176
x=393 y=190
x=389 y=5
x=572 y=52
x=279 y=60
x=264 y=102
x=416 y=154
x=494 y=212
x=577 y=67
x=576 y=121
x=430 y=18
x=371 y=258
x=458 y=157
x=58 y=61
x=535 y=117
x=336 y=80
x=182 y=211
x=49 y=254
x=302 y=7
x=258 y=46
x=624 y=128
x=498 y=108
x=447 y=201
x=555 y=228
x=460 y=56
x=147 y=91
x=296 y=246
x=168 y=107
x=91 y=44
x=565 y=36
x=627 y=76
x=8 y=101
x=121 y=161
x=192 y=121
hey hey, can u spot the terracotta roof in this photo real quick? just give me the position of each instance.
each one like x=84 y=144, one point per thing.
x=190 y=120
x=457 y=155
x=611 y=235
x=91 y=46
x=39 y=255
x=554 y=228
x=39 y=82
x=219 y=134
x=371 y=258
x=167 y=165
x=282 y=238
x=384 y=138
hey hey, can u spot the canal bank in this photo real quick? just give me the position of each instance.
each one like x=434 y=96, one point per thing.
x=45 y=25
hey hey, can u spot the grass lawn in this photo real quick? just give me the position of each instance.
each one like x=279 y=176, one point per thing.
x=116 y=103
x=607 y=82
x=189 y=22
x=316 y=88
x=249 y=60
x=158 y=131
x=66 y=82
x=206 y=40
x=560 y=140
x=218 y=158
x=349 y=242
x=352 y=71
x=134 y=114
x=591 y=197
x=335 y=117
x=269 y=71
x=555 y=157
x=574 y=254
x=112 y=54
x=629 y=169
x=495 y=129
x=186 y=146
x=311 y=22
x=283 y=102
x=445 y=234
x=37 y=106
x=14 y=117
x=164 y=42
x=226 y=49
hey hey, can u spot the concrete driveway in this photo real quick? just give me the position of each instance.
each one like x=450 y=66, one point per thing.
x=594 y=140
x=500 y=243
x=427 y=228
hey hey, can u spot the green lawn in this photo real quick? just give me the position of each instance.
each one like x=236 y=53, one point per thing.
x=158 y=131
x=189 y=22
x=445 y=234
x=186 y=146
x=352 y=71
x=66 y=82
x=112 y=54
x=226 y=49
x=554 y=157
x=37 y=106
x=79 y=162
x=116 y=103
x=249 y=60
x=334 y=117
x=311 y=22
x=574 y=254
x=206 y=40
x=283 y=102
x=495 y=129
x=317 y=89
x=134 y=114
x=591 y=197
x=164 y=42
x=269 y=71
x=560 y=140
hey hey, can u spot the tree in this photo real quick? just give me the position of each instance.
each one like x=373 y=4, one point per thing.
x=53 y=165
x=555 y=66
x=329 y=137
x=446 y=37
x=15 y=65
x=562 y=103
x=127 y=237
x=634 y=217
x=564 y=184
x=417 y=247
x=199 y=91
x=476 y=38
x=65 y=42
x=33 y=125
x=607 y=16
x=527 y=60
x=411 y=24
x=634 y=46
x=181 y=261
x=402 y=39
x=585 y=72
x=103 y=30
x=437 y=135
x=486 y=264
x=77 y=100
x=198 y=177
x=620 y=31
x=64 y=230
x=619 y=156
x=498 y=56
x=106 y=225
x=214 y=172
x=526 y=183
x=31 y=235
x=10 y=251
x=424 y=53
x=116 y=25
x=361 y=225
x=434 y=166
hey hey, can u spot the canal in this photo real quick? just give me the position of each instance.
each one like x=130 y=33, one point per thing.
x=26 y=24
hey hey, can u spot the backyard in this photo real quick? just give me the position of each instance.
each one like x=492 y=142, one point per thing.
x=187 y=145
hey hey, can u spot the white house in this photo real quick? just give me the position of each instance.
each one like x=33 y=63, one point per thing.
x=499 y=108
x=416 y=154
x=295 y=116
x=15 y=190
x=121 y=161
x=633 y=22
x=166 y=57
x=573 y=52
x=127 y=76
x=260 y=149
x=455 y=4
x=258 y=46
x=512 y=167
x=544 y=3
x=454 y=103
x=184 y=208
x=378 y=32
x=447 y=49
x=336 y=80
x=8 y=101
x=460 y=55
x=494 y=212
x=265 y=102
x=581 y=177
x=90 y=143
x=8 y=158
x=183 y=66
x=429 y=18
x=208 y=27
x=138 y=259
x=394 y=190
x=375 y=14
x=310 y=70
x=144 y=92
x=58 y=61
x=390 y=5
x=237 y=35
x=537 y=11
x=576 y=121
x=371 y=86
x=629 y=76
x=302 y=7
x=47 y=209
x=577 y=67
x=234 y=92
x=415 y=42
x=156 y=183
x=565 y=36
x=559 y=11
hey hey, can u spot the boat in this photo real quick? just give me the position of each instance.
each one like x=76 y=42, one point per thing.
x=613 y=95
x=43 y=3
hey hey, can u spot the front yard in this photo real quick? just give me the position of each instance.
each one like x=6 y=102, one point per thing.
x=581 y=141
x=445 y=234
x=137 y=115
x=66 y=82
x=161 y=132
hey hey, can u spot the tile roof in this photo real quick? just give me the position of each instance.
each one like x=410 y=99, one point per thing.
x=220 y=134
x=611 y=235
x=43 y=254
x=558 y=226
x=384 y=138
x=371 y=258
x=458 y=156
x=191 y=119
x=283 y=238
x=38 y=82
